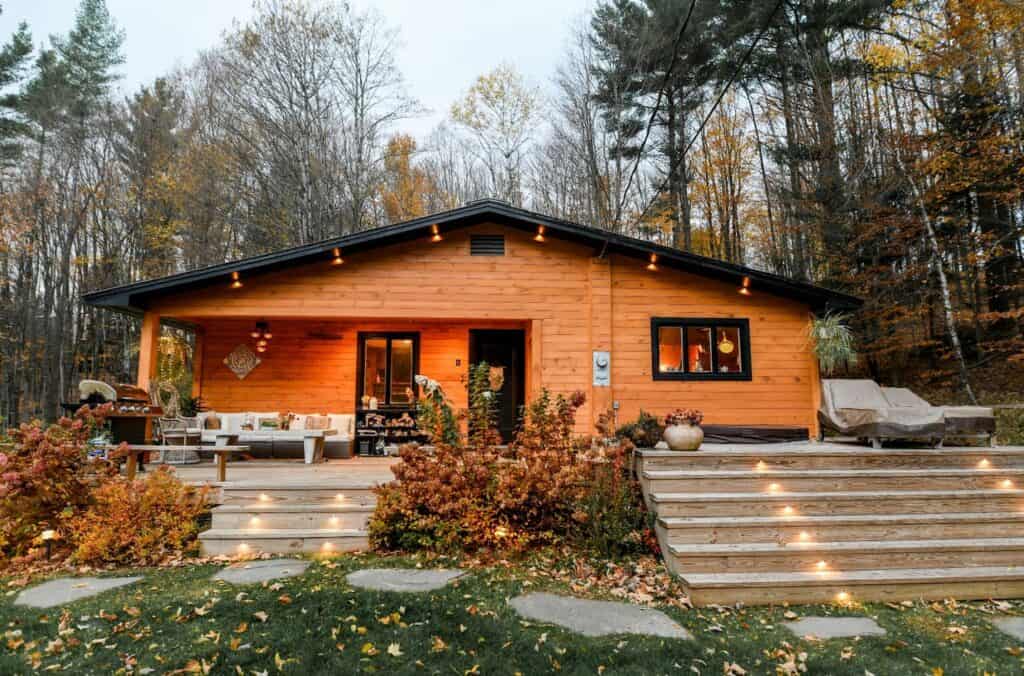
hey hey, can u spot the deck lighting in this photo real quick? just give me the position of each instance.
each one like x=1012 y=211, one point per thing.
x=236 y=283
x=264 y=497
x=243 y=547
x=437 y=233
x=760 y=466
x=984 y=464
x=327 y=546
x=653 y=265
x=339 y=496
x=745 y=287
x=774 y=488
x=1007 y=483
x=333 y=521
x=843 y=597
x=337 y=260
x=254 y=521
x=787 y=511
x=539 y=237
x=804 y=536
x=821 y=565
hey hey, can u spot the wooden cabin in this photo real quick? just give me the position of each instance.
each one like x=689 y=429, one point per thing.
x=556 y=305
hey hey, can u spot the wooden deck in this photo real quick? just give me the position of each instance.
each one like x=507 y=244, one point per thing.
x=343 y=472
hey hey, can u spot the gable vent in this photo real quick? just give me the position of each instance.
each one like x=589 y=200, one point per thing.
x=487 y=245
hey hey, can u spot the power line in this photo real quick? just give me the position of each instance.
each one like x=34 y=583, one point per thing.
x=714 y=106
x=657 y=103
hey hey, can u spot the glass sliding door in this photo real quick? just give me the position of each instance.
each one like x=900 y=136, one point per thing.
x=387 y=368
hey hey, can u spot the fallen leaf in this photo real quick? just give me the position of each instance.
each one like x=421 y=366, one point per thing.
x=395 y=650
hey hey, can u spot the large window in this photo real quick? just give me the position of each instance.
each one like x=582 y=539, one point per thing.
x=387 y=366
x=700 y=349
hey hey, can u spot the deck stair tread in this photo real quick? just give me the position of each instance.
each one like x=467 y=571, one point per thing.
x=291 y=508
x=857 y=452
x=854 y=577
x=270 y=533
x=757 y=548
x=830 y=473
x=785 y=496
x=838 y=519
x=299 y=485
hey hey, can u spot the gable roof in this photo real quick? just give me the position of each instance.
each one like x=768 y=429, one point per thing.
x=134 y=297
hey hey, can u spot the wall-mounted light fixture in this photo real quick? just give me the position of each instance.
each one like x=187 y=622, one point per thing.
x=337 y=259
x=745 y=287
x=539 y=237
x=437 y=233
x=236 y=283
x=653 y=264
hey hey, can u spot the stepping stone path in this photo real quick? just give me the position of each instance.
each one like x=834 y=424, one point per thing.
x=402 y=579
x=68 y=589
x=253 y=572
x=597 y=618
x=1014 y=626
x=835 y=627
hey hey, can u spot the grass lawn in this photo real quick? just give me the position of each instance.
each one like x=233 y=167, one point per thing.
x=180 y=621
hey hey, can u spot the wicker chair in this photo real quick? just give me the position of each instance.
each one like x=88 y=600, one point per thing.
x=179 y=431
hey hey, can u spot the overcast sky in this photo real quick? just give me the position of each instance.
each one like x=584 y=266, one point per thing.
x=446 y=43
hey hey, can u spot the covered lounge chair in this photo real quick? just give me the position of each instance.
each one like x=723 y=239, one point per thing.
x=858 y=408
x=962 y=422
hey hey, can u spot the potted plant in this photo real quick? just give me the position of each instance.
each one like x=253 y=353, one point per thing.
x=682 y=429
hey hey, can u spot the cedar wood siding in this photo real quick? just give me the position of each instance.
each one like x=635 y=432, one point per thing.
x=568 y=302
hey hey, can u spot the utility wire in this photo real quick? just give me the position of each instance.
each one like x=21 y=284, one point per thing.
x=657 y=104
x=718 y=100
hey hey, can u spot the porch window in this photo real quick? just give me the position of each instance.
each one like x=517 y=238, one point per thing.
x=700 y=349
x=387 y=366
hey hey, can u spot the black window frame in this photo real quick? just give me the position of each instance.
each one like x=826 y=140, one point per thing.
x=714 y=323
x=389 y=336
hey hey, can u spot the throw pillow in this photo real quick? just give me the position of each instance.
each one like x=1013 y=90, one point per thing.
x=316 y=422
x=212 y=422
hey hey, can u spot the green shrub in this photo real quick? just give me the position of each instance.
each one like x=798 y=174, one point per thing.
x=644 y=432
x=1010 y=426
x=610 y=514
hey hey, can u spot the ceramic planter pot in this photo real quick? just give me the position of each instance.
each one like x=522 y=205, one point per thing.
x=683 y=437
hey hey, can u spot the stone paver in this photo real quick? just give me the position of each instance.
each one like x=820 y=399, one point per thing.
x=402 y=579
x=597 y=618
x=68 y=589
x=1014 y=626
x=835 y=627
x=253 y=572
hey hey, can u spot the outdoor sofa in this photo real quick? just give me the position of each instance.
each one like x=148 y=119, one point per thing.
x=858 y=408
x=267 y=442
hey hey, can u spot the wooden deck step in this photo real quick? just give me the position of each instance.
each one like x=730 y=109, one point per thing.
x=686 y=559
x=721 y=481
x=232 y=541
x=831 y=528
x=826 y=456
x=860 y=585
x=292 y=515
x=837 y=502
x=306 y=492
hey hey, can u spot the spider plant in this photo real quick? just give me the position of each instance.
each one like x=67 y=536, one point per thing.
x=833 y=342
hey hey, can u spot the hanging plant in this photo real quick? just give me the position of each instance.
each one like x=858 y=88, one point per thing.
x=833 y=343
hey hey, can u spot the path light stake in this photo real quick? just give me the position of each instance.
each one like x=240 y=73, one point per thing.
x=48 y=537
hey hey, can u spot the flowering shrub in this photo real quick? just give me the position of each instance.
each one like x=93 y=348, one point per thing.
x=553 y=487
x=46 y=478
x=688 y=416
x=139 y=522
x=644 y=432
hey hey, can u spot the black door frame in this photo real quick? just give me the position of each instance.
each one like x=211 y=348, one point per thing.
x=516 y=337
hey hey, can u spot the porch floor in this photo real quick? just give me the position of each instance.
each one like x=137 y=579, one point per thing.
x=352 y=470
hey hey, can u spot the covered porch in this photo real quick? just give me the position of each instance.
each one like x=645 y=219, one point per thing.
x=264 y=379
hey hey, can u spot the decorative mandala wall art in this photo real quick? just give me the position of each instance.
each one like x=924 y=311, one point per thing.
x=241 y=361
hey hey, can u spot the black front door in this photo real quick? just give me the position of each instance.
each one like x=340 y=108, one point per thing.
x=505 y=349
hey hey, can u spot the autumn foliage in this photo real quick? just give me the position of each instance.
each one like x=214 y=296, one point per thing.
x=48 y=482
x=549 y=486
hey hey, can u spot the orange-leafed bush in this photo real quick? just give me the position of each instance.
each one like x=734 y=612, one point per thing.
x=46 y=478
x=552 y=487
x=138 y=522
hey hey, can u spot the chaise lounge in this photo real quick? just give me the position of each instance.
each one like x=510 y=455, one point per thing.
x=962 y=422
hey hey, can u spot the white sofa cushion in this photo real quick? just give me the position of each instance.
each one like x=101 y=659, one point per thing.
x=343 y=424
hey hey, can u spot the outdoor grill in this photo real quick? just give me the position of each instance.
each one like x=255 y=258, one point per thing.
x=132 y=412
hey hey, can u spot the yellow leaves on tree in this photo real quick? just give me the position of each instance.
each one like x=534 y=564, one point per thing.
x=407 y=189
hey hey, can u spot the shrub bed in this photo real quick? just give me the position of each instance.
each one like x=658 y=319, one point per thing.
x=549 y=486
